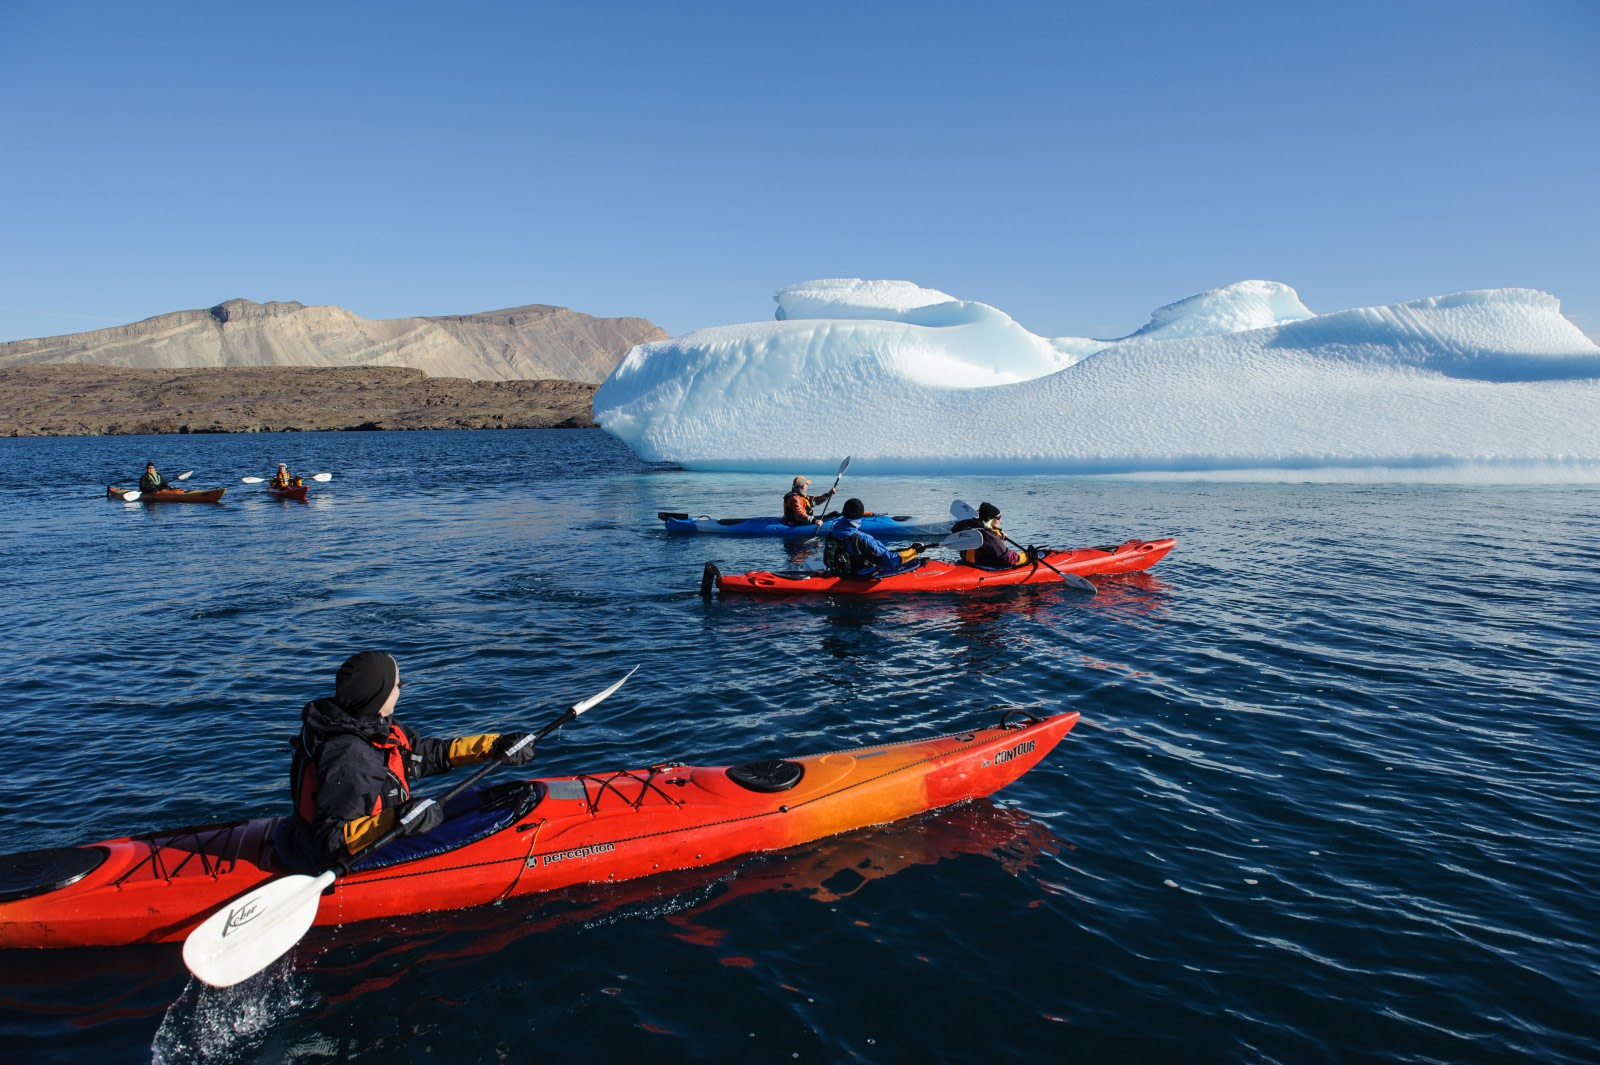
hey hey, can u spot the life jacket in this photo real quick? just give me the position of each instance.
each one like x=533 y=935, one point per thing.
x=304 y=785
x=797 y=508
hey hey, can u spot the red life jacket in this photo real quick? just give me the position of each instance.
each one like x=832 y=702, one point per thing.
x=303 y=772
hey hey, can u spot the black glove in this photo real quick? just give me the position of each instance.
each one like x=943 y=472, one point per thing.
x=1033 y=553
x=509 y=740
x=429 y=816
x=920 y=548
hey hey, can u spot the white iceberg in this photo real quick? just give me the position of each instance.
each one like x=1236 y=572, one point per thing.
x=1488 y=385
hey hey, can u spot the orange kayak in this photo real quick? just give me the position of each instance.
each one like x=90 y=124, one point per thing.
x=939 y=576
x=517 y=839
x=170 y=495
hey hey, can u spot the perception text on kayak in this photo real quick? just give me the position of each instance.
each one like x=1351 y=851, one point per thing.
x=576 y=852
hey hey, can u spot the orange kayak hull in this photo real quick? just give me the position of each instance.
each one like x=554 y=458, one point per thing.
x=589 y=828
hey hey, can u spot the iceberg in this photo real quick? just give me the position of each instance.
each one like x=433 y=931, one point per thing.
x=1243 y=380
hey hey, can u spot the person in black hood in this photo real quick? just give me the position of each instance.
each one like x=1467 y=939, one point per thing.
x=354 y=765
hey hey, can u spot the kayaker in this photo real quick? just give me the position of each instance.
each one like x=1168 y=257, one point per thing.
x=797 y=505
x=993 y=552
x=152 y=481
x=283 y=479
x=849 y=552
x=354 y=765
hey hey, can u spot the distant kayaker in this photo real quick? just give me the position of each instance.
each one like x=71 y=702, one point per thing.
x=354 y=764
x=152 y=481
x=849 y=552
x=993 y=552
x=797 y=506
x=283 y=478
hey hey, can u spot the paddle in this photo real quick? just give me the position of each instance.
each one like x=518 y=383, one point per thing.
x=965 y=540
x=184 y=476
x=131 y=497
x=258 y=928
x=961 y=511
x=323 y=477
x=845 y=465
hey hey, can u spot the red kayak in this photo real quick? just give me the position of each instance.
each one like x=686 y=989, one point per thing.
x=938 y=576
x=170 y=495
x=297 y=491
x=517 y=839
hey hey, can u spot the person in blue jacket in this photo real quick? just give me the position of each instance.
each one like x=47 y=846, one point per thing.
x=849 y=552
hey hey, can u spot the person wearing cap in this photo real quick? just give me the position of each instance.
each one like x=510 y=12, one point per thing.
x=354 y=765
x=283 y=479
x=849 y=552
x=993 y=553
x=797 y=505
x=152 y=481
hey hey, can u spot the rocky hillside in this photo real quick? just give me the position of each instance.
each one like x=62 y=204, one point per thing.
x=107 y=400
x=523 y=343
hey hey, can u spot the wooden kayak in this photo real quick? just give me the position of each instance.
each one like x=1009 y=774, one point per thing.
x=170 y=495
x=517 y=839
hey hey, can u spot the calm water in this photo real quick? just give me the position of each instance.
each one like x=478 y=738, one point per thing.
x=1334 y=797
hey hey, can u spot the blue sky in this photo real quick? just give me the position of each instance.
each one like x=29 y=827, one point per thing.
x=1074 y=164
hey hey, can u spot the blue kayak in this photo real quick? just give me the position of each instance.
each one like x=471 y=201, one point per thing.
x=873 y=524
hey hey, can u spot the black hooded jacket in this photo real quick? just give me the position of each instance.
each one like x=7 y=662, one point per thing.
x=348 y=760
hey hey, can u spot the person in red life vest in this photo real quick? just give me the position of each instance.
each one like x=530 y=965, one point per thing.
x=993 y=553
x=354 y=766
x=797 y=505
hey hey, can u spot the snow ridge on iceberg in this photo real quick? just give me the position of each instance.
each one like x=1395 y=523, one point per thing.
x=1482 y=384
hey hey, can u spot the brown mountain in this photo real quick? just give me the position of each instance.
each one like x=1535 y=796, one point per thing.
x=79 y=400
x=521 y=343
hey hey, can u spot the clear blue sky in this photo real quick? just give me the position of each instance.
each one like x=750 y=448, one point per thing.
x=1074 y=164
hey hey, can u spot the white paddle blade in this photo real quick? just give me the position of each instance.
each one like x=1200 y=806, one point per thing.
x=965 y=540
x=961 y=510
x=1078 y=584
x=254 y=930
x=324 y=477
x=185 y=475
x=814 y=565
x=252 y=480
x=579 y=708
x=845 y=465
x=131 y=497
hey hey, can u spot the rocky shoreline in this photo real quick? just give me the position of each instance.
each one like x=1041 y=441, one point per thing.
x=68 y=399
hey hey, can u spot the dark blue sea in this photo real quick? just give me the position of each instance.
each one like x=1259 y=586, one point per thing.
x=1334 y=796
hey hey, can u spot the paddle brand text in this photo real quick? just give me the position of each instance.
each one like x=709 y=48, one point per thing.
x=576 y=852
x=242 y=915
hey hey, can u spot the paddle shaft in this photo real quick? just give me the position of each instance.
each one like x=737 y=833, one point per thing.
x=837 y=477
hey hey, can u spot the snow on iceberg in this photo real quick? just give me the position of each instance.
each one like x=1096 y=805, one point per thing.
x=1479 y=385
